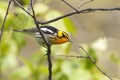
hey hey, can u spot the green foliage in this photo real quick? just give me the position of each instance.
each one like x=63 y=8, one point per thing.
x=48 y=1
x=23 y=2
x=114 y=58
x=3 y=6
x=15 y=66
x=69 y=25
x=87 y=62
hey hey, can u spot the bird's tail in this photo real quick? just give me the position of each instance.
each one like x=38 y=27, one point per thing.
x=23 y=31
x=17 y=30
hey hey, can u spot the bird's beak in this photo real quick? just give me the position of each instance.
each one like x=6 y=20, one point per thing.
x=70 y=41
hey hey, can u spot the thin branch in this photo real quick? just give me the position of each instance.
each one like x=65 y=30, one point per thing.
x=88 y=10
x=85 y=2
x=70 y=6
x=2 y=30
x=47 y=44
x=17 y=3
x=3 y=24
x=37 y=25
x=92 y=60
x=49 y=63
x=70 y=56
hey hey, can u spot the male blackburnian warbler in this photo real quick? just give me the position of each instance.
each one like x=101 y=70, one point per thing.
x=51 y=34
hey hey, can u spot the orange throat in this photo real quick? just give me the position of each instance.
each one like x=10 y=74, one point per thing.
x=60 y=41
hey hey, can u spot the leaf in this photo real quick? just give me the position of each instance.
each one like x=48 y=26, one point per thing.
x=20 y=39
x=69 y=25
x=92 y=53
x=20 y=73
x=19 y=21
x=88 y=63
x=8 y=45
x=114 y=58
x=3 y=6
x=41 y=9
x=66 y=68
x=81 y=74
x=47 y=1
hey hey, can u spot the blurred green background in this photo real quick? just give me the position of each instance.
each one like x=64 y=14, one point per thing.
x=22 y=58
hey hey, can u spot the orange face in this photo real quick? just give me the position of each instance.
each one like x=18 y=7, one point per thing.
x=61 y=37
x=60 y=40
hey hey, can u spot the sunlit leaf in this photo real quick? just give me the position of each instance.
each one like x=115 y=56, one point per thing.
x=69 y=25
x=92 y=53
x=8 y=49
x=8 y=44
x=19 y=22
x=10 y=60
x=88 y=63
x=66 y=68
x=3 y=6
x=20 y=73
x=23 y=2
x=47 y=1
x=36 y=68
x=40 y=9
x=58 y=24
x=81 y=74
x=19 y=38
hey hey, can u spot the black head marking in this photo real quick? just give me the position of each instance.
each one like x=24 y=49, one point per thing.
x=49 y=29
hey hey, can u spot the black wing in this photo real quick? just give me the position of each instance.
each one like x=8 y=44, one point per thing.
x=49 y=29
x=45 y=29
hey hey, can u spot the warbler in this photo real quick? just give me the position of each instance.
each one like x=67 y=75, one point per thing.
x=51 y=34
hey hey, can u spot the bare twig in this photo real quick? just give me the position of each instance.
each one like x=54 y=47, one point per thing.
x=92 y=60
x=84 y=2
x=22 y=7
x=71 y=56
x=2 y=30
x=88 y=10
x=47 y=44
x=70 y=6
x=3 y=24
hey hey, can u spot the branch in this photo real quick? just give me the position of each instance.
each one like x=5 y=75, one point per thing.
x=88 y=57
x=46 y=42
x=84 y=2
x=70 y=6
x=92 y=60
x=71 y=56
x=2 y=30
x=49 y=63
x=88 y=10
x=17 y=3
x=3 y=24
x=39 y=30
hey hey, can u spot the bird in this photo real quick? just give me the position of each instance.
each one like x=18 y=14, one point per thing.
x=52 y=35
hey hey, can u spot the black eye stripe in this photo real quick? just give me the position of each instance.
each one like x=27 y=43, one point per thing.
x=64 y=35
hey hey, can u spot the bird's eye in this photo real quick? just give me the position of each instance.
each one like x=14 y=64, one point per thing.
x=64 y=35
